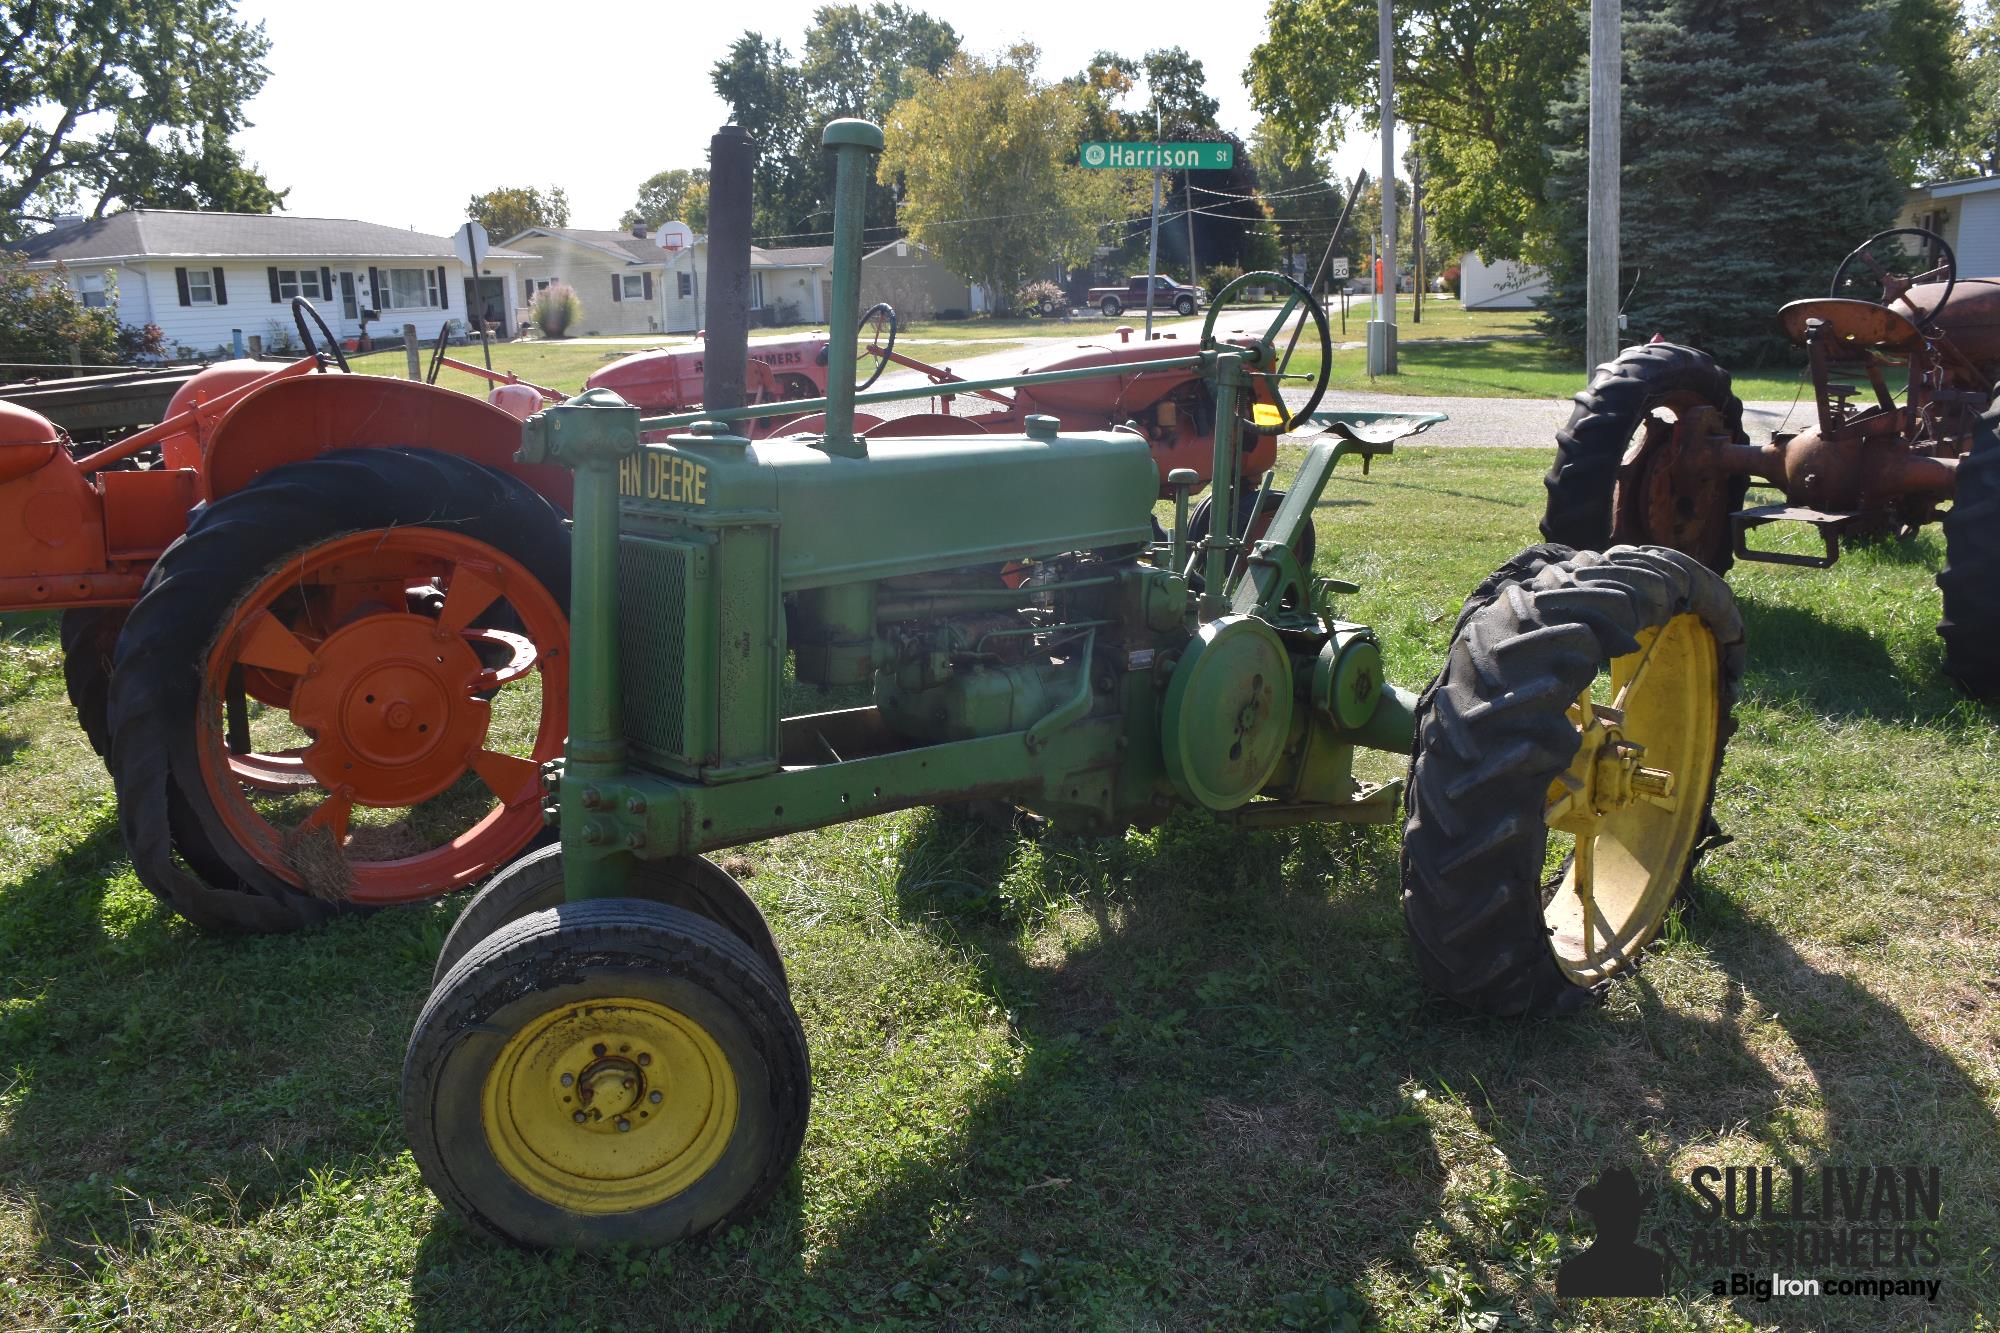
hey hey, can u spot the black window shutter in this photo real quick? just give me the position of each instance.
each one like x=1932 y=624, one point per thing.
x=326 y=274
x=444 y=292
x=649 y=286
x=375 y=287
x=181 y=285
x=272 y=273
x=528 y=284
x=617 y=286
x=221 y=289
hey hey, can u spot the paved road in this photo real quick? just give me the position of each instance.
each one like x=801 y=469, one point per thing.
x=1512 y=423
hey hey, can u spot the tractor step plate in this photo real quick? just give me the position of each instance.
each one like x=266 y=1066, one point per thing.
x=1828 y=525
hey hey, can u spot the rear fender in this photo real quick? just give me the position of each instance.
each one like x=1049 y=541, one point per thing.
x=293 y=420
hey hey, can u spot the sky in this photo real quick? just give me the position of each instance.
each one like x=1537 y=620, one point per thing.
x=399 y=112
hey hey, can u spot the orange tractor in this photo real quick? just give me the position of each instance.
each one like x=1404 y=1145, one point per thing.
x=315 y=621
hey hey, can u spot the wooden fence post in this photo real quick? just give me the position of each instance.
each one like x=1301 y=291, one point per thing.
x=410 y=351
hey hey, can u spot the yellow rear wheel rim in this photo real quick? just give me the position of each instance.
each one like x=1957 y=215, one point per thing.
x=1634 y=796
x=610 y=1105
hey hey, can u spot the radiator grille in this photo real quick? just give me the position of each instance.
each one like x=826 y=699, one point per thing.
x=652 y=645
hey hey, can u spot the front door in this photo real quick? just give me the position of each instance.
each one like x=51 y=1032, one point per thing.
x=350 y=307
x=491 y=303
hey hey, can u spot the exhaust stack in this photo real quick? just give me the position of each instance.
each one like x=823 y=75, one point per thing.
x=732 y=154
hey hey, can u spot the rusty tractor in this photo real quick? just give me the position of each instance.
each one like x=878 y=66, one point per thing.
x=1656 y=452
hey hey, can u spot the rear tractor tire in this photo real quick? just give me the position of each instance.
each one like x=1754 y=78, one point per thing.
x=1584 y=694
x=1970 y=579
x=89 y=641
x=612 y=1072
x=1623 y=474
x=363 y=633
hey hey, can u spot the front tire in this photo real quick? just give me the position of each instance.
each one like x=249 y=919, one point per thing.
x=1970 y=579
x=1595 y=501
x=1184 y=305
x=1522 y=733
x=89 y=644
x=535 y=884
x=606 y=1073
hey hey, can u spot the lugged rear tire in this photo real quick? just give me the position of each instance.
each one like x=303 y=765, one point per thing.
x=89 y=642
x=1492 y=736
x=1970 y=579
x=177 y=841
x=1611 y=409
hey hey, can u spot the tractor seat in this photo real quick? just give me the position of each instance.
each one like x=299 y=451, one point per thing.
x=1854 y=323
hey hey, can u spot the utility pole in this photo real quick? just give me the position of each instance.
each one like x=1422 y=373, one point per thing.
x=1382 y=329
x=1601 y=334
x=1194 y=269
x=1153 y=249
x=1417 y=231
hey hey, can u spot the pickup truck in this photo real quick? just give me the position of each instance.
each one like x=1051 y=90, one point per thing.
x=1167 y=295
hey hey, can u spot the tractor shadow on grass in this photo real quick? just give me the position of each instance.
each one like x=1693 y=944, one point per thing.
x=1232 y=1093
x=1802 y=662
x=165 y=1079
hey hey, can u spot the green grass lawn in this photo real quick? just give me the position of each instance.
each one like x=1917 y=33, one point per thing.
x=1185 y=1078
x=1520 y=366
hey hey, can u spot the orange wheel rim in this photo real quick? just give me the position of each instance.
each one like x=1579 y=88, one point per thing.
x=394 y=745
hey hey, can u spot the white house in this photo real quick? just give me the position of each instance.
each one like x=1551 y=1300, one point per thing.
x=208 y=279
x=1501 y=285
x=1967 y=214
x=787 y=286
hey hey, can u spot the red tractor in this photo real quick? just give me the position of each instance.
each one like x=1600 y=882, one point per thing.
x=315 y=624
x=669 y=379
x=1656 y=453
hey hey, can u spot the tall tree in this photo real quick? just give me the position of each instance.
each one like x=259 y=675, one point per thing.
x=1477 y=77
x=767 y=96
x=1300 y=193
x=1972 y=148
x=860 y=60
x=1178 y=88
x=679 y=194
x=513 y=209
x=1758 y=146
x=128 y=102
x=987 y=155
x=1926 y=41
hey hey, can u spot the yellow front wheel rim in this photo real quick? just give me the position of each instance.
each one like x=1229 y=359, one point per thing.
x=1634 y=797
x=607 y=1106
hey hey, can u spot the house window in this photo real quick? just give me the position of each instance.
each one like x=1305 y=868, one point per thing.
x=201 y=287
x=634 y=286
x=536 y=285
x=300 y=282
x=409 y=288
x=90 y=286
x=686 y=283
x=756 y=291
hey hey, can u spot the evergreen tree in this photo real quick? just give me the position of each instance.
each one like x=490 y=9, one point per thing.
x=1760 y=139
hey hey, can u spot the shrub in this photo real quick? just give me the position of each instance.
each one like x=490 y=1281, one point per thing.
x=1450 y=279
x=1219 y=277
x=556 y=308
x=137 y=344
x=1042 y=298
x=43 y=320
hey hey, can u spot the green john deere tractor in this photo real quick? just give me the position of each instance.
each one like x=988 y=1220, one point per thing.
x=609 y=1053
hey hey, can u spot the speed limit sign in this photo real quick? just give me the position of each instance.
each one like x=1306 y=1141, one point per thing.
x=1340 y=267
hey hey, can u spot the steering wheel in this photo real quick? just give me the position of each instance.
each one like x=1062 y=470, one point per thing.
x=877 y=317
x=1275 y=377
x=301 y=308
x=1892 y=284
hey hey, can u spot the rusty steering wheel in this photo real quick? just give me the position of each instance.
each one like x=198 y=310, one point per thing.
x=302 y=309
x=1866 y=277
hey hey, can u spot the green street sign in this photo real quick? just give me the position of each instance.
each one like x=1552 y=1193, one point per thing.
x=1166 y=156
